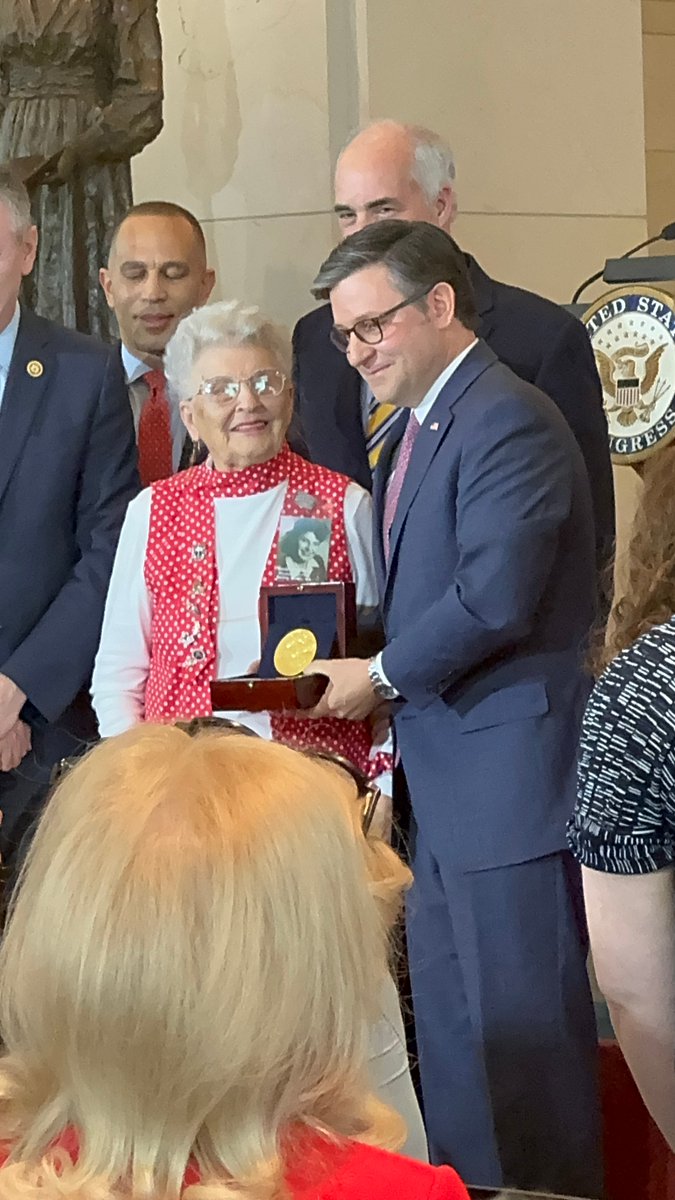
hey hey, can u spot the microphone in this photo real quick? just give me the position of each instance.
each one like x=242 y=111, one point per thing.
x=667 y=234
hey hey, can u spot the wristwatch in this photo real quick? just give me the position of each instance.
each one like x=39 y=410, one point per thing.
x=379 y=684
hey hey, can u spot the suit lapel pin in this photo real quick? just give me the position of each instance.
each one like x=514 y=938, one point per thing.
x=34 y=368
x=434 y=426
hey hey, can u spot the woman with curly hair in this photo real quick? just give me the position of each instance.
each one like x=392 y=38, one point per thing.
x=192 y=963
x=623 y=828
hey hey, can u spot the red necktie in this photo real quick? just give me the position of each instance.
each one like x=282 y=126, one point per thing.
x=396 y=478
x=155 y=447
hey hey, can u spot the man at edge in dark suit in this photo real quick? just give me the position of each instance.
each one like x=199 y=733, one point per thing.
x=67 y=473
x=388 y=171
x=485 y=558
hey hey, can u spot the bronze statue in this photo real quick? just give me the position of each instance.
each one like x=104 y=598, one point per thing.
x=80 y=93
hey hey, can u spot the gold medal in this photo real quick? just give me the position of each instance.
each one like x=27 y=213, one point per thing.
x=295 y=651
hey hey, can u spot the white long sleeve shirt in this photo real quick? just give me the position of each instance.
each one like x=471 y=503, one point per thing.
x=245 y=528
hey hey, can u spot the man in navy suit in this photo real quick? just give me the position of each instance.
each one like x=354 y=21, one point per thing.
x=67 y=472
x=397 y=171
x=486 y=566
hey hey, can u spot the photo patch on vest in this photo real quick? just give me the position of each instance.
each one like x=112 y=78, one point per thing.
x=304 y=545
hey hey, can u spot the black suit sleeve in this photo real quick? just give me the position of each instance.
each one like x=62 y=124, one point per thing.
x=569 y=376
x=295 y=436
x=55 y=659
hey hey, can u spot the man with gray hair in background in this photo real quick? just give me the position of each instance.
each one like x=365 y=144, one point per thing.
x=391 y=170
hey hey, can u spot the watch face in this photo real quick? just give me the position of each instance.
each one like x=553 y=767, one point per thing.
x=379 y=684
x=381 y=688
x=386 y=691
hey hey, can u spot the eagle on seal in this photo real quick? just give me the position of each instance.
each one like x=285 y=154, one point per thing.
x=628 y=376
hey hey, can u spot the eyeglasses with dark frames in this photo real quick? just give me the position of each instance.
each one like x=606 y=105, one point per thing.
x=263 y=384
x=368 y=793
x=369 y=329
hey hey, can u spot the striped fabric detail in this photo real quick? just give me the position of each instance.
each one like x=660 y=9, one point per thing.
x=624 y=822
x=381 y=417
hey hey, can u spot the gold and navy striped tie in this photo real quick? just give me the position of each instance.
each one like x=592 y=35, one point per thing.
x=381 y=417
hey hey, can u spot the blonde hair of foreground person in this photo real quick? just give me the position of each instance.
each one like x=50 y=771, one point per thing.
x=190 y=967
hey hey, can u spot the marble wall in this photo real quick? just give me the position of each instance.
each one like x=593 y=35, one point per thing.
x=658 y=41
x=245 y=143
x=542 y=102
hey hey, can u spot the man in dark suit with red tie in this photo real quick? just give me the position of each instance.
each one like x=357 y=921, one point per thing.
x=67 y=473
x=157 y=273
x=391 y=170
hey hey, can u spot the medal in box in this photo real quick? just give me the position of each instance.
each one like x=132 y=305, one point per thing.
x=298 y=623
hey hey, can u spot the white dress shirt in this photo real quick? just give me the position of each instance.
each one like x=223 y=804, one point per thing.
x=134 y=369
x=7 y=343
x=426 y=404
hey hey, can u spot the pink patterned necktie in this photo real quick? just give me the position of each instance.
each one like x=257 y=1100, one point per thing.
x=396 y=478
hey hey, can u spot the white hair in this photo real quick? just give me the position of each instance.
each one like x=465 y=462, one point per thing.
x=14 y=196
x=227 y=323
x=433 y=163
x=433 y=160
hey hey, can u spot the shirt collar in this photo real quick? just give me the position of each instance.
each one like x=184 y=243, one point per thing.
x=8 y=340
x=135 y=368
x=423 y=409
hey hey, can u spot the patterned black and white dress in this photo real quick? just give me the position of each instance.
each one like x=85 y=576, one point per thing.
x=624 y=820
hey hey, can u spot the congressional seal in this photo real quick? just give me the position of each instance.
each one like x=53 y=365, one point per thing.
x=632 y=331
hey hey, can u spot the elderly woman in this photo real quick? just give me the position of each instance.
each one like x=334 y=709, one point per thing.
x=195 y=549
x=199 y=913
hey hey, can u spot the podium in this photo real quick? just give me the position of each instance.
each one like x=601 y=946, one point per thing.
x=632 y=331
